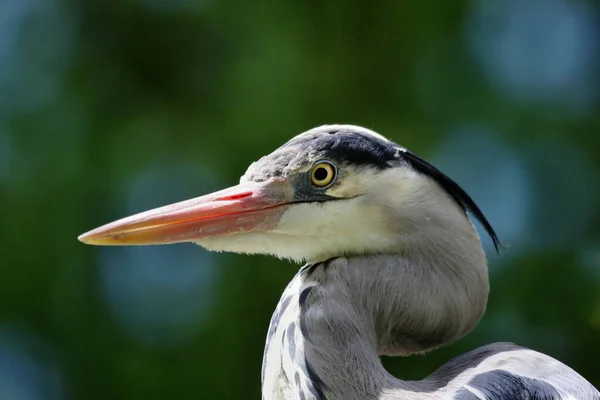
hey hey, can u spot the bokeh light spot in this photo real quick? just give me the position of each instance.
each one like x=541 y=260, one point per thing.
x=492 y=173
x=35 y=46
x=26 y=373
x=542 y=51
x=161 y=294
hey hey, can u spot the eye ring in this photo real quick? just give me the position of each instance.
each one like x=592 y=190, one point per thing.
x=323 y=174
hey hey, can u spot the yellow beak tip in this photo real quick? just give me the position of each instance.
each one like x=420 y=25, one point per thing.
x=87 y=238
x=84 y=238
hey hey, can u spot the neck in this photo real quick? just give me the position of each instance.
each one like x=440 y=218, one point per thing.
x=337 y=317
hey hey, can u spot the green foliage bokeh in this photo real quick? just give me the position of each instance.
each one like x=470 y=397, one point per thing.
x=216 y=85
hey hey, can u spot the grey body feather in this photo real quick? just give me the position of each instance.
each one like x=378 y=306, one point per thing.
x=326 y=341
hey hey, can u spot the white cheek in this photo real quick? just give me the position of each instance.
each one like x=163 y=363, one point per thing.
x=337 y=227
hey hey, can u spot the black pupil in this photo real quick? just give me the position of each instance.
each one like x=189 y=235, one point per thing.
x=321 y=174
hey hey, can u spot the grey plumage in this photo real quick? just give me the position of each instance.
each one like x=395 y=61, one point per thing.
x=336 y=355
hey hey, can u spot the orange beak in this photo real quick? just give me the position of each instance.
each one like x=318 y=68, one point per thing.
x=248 y=207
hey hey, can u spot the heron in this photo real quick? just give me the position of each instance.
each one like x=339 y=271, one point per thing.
x=394 y=266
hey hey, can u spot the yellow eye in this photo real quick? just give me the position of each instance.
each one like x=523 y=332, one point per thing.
x=323 y=174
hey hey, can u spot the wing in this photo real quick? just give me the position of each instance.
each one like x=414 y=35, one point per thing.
x=504 y=371
x=501 y=385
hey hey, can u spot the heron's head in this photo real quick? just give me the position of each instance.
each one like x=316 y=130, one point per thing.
x=331 y=191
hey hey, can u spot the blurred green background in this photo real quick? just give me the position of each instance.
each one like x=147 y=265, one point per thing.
x=112 y=107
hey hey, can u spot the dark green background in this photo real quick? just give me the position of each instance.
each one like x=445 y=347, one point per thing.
x=174 y=99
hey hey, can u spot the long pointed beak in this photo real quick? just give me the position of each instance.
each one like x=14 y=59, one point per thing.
x=248 y=207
